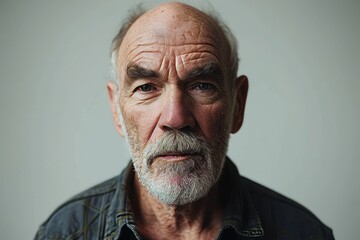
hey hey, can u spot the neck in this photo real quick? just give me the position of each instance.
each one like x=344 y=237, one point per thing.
x=197 y=220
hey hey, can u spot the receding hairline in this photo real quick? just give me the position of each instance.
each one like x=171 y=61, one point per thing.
x=133 y=15
x=211 y=18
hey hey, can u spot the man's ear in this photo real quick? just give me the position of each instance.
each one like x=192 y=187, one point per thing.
x=242 y=86
x=111 y=89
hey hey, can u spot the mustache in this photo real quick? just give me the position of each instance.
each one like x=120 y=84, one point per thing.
x=175 y=142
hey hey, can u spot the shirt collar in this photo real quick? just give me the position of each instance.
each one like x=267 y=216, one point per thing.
x=239 y=213
x=120 y=213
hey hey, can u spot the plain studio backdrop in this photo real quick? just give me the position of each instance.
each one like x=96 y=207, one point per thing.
x=300 y=135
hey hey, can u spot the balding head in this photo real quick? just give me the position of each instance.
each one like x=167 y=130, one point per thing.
x=178 y=99
x=176 y=22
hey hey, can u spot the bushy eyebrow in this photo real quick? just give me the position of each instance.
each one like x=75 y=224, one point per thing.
x=134 y=71
x=207 y=71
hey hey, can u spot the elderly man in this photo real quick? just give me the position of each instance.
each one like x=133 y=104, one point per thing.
x=176 y=99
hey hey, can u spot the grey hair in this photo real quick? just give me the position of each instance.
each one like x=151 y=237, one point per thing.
x=231 y=41
x=135 y=13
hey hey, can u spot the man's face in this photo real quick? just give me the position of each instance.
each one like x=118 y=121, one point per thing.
x=176 y=103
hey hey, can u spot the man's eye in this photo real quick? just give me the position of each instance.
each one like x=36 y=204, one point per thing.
x=204 y=87
x=145 y=88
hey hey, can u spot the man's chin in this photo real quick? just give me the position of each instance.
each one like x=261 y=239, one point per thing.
x=172 y=180
x=176 y=189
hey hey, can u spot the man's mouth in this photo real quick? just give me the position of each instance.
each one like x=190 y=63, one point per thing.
x=175 y=156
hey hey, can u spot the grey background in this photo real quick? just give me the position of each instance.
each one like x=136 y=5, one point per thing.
x=300 y=136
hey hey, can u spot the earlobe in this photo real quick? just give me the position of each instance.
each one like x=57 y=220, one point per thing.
x=112 y=91
x=242 y=86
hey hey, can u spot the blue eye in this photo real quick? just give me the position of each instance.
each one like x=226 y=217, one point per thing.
x=204 y=86
x=145 y=88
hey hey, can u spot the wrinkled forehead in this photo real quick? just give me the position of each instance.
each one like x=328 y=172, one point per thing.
x=172 y=24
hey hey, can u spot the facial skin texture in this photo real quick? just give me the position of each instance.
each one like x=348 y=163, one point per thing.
x=174 y=79
x=178 y=105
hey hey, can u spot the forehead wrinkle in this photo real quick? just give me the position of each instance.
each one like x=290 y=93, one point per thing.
x=143 y=54
x=139 y=46
x=156 y=29
x=152 y=31
x=199 y=54
x=196 y=30
x=200 y=47
x=205 y=43
x=191 y=49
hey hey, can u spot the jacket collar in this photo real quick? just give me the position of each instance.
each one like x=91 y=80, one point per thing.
x=239 y=212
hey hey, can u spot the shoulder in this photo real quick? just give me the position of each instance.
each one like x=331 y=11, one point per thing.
x=283 y=216
x=79 y=212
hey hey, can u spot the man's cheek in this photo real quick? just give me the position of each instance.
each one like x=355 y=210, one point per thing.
x=140 y=132
x=214 y=120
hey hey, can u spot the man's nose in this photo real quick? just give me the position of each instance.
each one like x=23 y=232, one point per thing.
x=176 y=112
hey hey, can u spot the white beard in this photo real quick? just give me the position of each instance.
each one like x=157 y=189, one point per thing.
x=182 y=182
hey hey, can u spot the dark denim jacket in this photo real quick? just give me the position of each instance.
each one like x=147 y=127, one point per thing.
x=251 y=211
